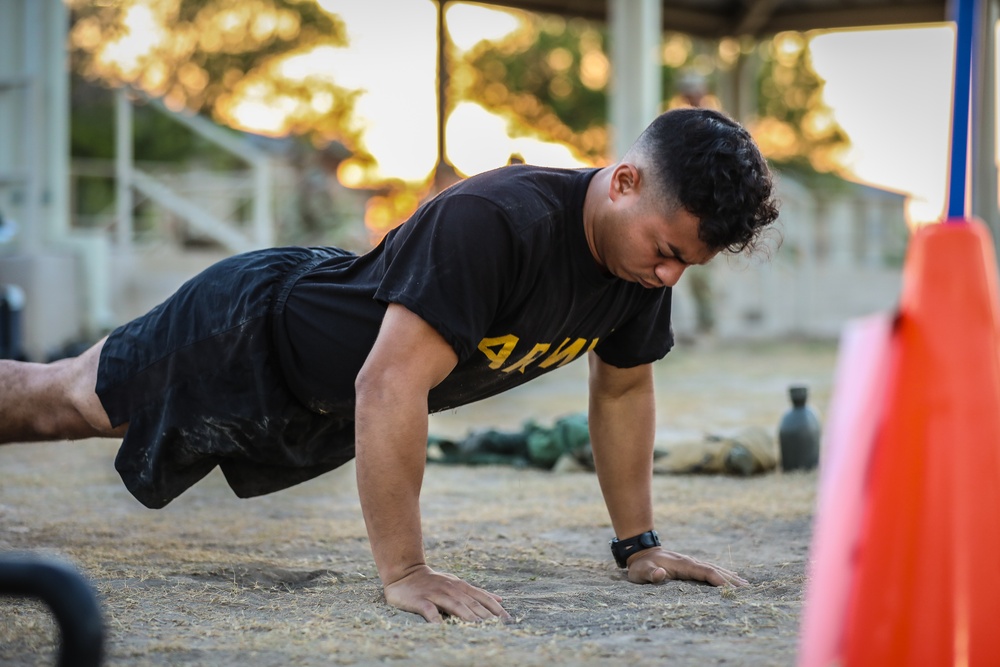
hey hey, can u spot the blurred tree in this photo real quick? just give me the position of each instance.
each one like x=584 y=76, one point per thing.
x=205 y=55
x=795 y=128
x=551 y=75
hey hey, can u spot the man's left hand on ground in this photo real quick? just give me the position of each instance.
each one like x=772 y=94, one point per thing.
x=653 y=566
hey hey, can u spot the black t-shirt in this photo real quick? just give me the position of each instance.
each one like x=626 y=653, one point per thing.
x=499 y=265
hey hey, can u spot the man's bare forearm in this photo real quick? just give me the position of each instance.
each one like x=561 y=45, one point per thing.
x=622 y=419
x=391 y=437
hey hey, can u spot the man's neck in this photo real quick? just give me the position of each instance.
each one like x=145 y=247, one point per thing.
x=594 y=204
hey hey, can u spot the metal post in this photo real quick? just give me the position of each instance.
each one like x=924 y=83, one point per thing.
x=31 y=136
x=263 y=229
x=57 y=120
x=123 y=169
x=984 y=149
x=636 y=88
x=444 y=171
x=442 y=81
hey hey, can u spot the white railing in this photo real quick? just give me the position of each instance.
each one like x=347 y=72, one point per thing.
x=234 y=235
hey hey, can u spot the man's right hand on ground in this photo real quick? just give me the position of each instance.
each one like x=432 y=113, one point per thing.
x=408 y=359
x=653 y=566
x=431 y=594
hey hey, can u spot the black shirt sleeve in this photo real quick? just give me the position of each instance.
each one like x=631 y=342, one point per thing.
x=452 y=266
x=643 y=339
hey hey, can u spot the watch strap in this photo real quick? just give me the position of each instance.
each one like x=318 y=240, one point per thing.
x=623 y=549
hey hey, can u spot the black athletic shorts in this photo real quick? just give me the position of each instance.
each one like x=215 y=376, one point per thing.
x=199 y=384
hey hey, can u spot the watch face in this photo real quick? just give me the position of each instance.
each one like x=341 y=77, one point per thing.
x=648 y=540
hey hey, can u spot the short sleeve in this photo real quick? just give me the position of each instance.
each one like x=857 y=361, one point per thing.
x=644 y=338
x=451 y=264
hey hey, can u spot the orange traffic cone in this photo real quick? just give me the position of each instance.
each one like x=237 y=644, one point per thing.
x=866 y=349
x=925 y=583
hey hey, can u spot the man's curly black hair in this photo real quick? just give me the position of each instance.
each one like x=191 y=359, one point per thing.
x=710 y=165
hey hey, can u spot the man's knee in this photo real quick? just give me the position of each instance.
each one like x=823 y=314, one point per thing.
x=81 y=385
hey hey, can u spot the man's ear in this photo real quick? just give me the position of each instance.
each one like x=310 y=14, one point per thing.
x=624 y=180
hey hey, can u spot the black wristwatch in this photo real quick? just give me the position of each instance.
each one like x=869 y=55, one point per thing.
x=622 y=549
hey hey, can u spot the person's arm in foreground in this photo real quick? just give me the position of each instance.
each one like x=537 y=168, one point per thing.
x=408 y=359
x=622 y=420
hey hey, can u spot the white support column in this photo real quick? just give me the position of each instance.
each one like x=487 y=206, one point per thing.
x=748 y=66
x=124 y=202
x=636 y=90
x=738 y=88
x=88 y=248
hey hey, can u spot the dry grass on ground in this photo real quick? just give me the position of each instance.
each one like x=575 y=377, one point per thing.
x=288 y=578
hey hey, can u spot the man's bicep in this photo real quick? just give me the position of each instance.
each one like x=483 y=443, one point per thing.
x=409 y=350
x=611 y=381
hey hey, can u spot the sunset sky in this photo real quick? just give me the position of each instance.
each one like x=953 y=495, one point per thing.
x=891 y=91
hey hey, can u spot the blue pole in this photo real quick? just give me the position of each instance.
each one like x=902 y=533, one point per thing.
x=965 y=12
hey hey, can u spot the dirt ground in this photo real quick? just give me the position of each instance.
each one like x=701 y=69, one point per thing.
x=288 y=579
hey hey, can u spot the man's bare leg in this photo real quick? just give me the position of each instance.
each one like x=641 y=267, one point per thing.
x=53 y=401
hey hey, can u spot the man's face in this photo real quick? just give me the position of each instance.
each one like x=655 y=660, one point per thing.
x=653 y=247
